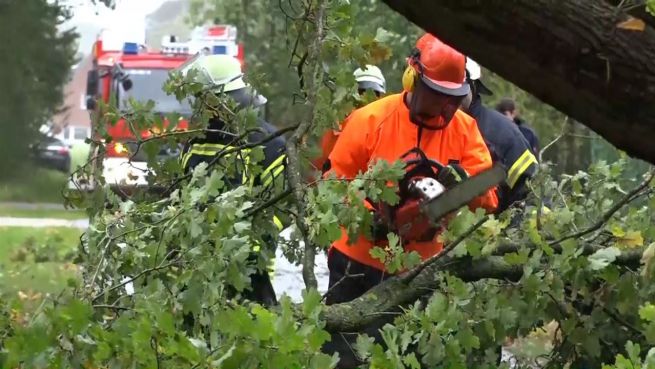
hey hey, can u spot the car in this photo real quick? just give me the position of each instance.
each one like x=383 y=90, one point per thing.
x=52 y=153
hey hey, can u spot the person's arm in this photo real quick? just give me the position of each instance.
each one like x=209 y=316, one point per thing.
x=350 y=154
x=475 y=159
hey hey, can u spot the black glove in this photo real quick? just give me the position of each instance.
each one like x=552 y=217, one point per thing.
x=452 y=174
x=379 y=228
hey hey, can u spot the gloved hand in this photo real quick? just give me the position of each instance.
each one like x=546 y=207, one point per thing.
x=407 y=221
x=380 y=227
x=451 y=174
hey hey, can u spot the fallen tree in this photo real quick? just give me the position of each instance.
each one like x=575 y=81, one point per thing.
x=570 y=54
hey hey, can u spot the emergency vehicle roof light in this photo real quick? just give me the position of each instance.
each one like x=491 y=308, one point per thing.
x=219 y=50
x=130 y=48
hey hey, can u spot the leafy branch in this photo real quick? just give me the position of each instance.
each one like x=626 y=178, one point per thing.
x=294 y=142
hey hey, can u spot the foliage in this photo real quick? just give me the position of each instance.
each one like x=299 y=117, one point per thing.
x=37 y=62
x=165 y=278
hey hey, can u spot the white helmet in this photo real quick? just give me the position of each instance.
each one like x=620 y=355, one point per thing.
x=370 y=78
x=223 y=73
x=473 y=74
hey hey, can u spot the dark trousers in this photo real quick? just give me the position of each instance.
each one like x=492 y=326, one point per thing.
x=349 y=280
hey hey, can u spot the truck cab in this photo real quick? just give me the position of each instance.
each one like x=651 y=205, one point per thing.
x=133 y=71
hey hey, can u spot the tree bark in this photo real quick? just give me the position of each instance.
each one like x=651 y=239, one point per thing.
x=569 y=54
x=378 y=302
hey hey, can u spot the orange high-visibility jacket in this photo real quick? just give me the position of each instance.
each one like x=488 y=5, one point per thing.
x=382 y=130
x=327 y=143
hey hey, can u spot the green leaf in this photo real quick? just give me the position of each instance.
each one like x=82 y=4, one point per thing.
x=389 y=195
x=77 y=314
x=634 y=351
x=378 y=253
x=467 y=339
x=514 y=258
x=603 y=257
x=647 y=312
x=411 y=361
x=166 y=323
x=591 y=345
x=649 y=333
x=103 y=352
x=322 y=361
x=311 y=303
x=437 y=306
x=412 y=259
x=364 y=345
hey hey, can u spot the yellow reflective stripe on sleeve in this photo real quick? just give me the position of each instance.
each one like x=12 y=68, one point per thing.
x=519 y=167
x=273 y=170
x=278 y=223
x=196 y=151
x=271 y=268
x=276 y=162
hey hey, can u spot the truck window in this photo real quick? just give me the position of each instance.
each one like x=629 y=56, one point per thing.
x=147 y=84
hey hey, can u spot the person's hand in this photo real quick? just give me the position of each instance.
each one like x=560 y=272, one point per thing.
x=451 y=175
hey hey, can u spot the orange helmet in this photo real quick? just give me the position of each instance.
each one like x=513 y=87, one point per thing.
x=440 y=67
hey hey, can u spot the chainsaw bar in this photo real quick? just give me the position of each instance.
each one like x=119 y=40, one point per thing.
x=462 y=193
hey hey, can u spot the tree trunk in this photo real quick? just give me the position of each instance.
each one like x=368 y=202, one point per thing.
x=569 y=54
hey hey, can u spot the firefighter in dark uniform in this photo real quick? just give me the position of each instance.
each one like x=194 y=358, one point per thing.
x=224 y=74
x=504 y=140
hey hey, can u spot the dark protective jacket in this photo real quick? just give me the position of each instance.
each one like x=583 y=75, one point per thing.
x=217 y=140
x=529 y=135
x=509 y=147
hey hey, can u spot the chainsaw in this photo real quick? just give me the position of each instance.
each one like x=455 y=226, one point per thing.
x=435 y=201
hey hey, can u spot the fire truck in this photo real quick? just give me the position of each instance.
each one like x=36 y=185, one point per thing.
x=126 y=68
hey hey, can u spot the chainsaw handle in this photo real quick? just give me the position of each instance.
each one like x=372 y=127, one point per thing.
x=421 y=158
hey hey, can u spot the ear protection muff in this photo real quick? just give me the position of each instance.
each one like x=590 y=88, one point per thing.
x=409 y=78
x=410 y=75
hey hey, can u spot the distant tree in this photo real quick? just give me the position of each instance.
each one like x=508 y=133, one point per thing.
x=36 y=62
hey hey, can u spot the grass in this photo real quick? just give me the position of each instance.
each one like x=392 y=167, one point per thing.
x=41 y=212
x=38 y=185
x=79 y=155
x=34 y=185
x=36 y=261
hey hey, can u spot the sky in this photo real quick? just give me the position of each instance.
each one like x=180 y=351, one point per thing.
x=89 y=19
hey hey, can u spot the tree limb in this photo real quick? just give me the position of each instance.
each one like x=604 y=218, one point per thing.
x=270 y=202
x=130 y=280
x=295 y=180
x=414 y=272
x=608 y=215
x=394 y=293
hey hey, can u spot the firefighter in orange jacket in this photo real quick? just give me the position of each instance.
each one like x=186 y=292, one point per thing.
x=369 y=80
x=423 y=120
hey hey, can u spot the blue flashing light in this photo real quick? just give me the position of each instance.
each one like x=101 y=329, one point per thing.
x=219 y=49
x=130 y=48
